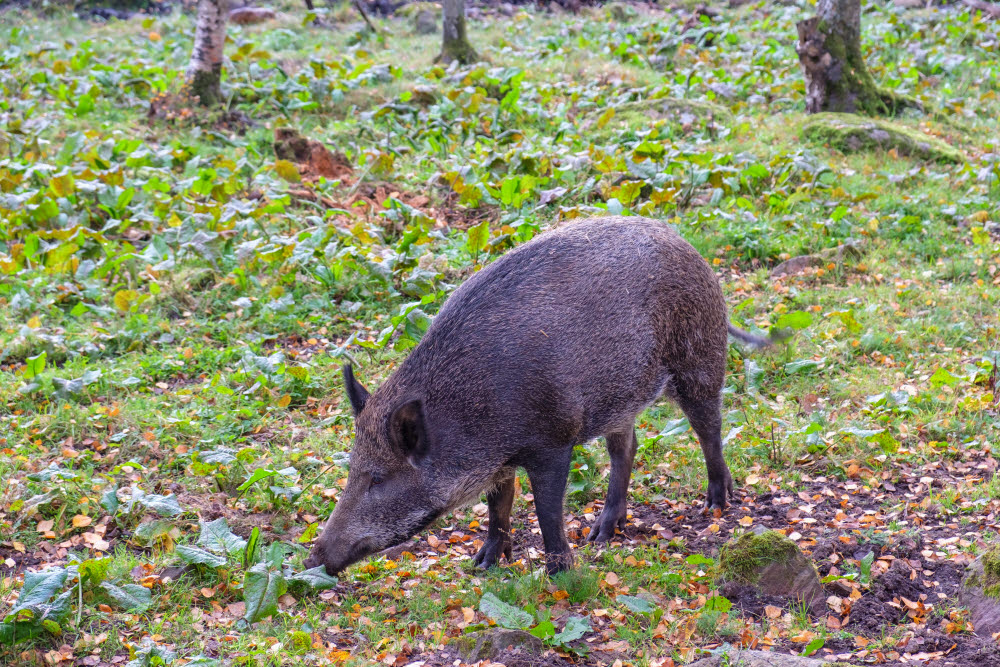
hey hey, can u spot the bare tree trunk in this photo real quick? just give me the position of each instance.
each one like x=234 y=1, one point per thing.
x=837 y=78
x=205 y=69
x=455 y=44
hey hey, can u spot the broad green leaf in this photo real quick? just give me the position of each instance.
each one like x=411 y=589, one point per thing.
x=943 y=377
x=636 y=604
x=130 y=597
x=94 y=570
x=261 y=589
x=505 y=615
x=258 y=474
x=477 y=237
x=675 y=427
x=287 y=171
x=798 y=319
x=576 y=627
x=813 y=646
x=250 y=551
x=802 y=366
x=217 y=537
x=197 y=556
x=315 y=578
x=544 y=630
x=718 y=603
x=39 y=587
x=34 y=365
x=109 y=499
x=162 y=505
x=62 y=185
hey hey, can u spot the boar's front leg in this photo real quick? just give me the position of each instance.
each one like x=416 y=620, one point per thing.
x=621 y=448
x=500 y=499
x=548 y=472
x=706 y=420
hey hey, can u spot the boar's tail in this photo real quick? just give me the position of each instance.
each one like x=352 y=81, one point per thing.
x=757 y=342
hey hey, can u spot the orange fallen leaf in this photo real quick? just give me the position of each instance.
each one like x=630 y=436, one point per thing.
x=81 y=521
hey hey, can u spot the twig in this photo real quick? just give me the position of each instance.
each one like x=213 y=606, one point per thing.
x=364 y=15
x=988 y=8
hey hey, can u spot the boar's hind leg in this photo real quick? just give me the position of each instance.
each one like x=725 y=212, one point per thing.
x=621 y=448
x=548 y=473
x=500 y=500
x=705 y=416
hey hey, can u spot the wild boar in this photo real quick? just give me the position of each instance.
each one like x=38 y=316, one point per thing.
x=564 y=339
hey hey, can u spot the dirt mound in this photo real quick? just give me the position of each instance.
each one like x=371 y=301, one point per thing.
x=313 y=158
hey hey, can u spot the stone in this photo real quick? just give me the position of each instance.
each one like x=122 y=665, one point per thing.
x=490 y=644
x=643 y=113
x=250 y=15
x=729 y=657
x=850 y=133
x=774 y=565
x=850 y=249
x=980 y=592
x=620 y=12
x=425 y=23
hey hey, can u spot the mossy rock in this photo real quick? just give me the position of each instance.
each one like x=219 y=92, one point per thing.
x=495 y=642
x=981 y=592
x=647 y=113
x=773 y=564
x=620 y=12
x=735 y=657
x=849 y=133
x=412 y=9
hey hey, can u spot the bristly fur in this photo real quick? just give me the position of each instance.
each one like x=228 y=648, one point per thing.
x=562 y=340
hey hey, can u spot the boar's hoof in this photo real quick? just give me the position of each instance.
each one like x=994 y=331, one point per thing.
x=560 y=562
x=603 y=529
x=718 y=490
x=489 y=555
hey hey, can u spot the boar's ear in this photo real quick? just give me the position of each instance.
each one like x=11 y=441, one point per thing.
x=408 y=431
x=357 y=394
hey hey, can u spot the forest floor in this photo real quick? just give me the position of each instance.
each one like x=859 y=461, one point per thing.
x=179 y=287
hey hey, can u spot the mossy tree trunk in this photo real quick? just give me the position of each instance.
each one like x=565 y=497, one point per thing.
x=204 y=72
x=837 y=78
x=455 y=44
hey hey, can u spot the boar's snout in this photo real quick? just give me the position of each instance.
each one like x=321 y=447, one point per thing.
x=335 y=553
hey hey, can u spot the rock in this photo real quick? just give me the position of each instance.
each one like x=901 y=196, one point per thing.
x=981 y=593
x=849 y=133
x=911 y=4
x=620 y=12
x=639 y=115
x=734 y=656
x=723 y=90
x=249 y=15
x=490 y=644
x=425 y=23
x=851 y=249
x=773 y=564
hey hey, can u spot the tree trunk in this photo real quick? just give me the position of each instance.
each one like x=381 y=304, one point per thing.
x=830 y=54
x=455 y=45
x=205 y=69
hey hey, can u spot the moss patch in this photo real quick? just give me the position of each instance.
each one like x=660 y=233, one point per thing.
x=851 y=134
x=743 y=560
x=648 y=113
x=986 y=574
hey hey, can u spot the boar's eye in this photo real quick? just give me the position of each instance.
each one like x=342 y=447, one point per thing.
x=377 y=479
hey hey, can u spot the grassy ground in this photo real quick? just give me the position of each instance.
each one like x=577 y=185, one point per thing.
x=175 y=302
